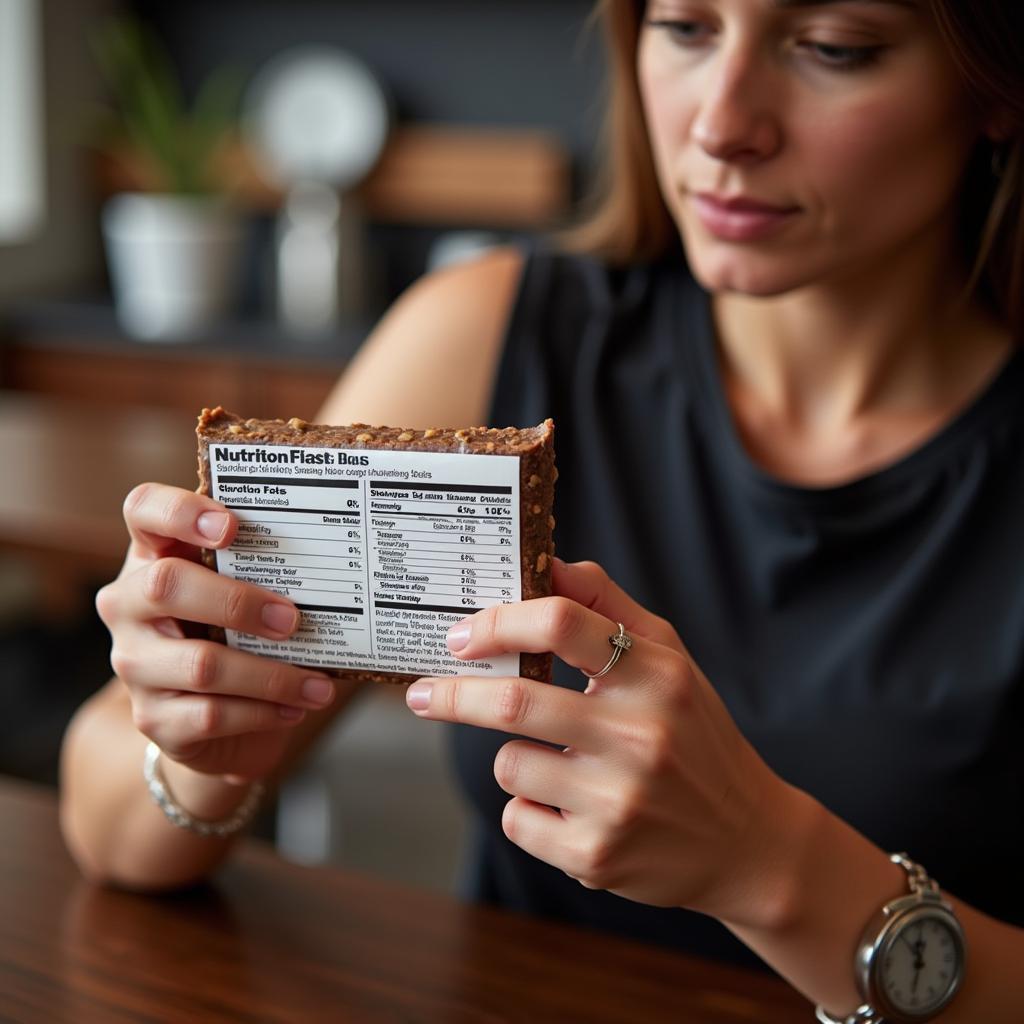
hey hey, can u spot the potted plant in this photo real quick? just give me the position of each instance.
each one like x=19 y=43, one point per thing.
x=173 y=237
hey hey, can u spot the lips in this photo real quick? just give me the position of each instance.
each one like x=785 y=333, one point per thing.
x=740 y=218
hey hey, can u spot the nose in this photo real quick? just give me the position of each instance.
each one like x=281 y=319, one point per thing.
x=737 y=119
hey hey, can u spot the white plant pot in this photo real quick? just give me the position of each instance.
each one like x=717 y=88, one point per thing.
x=173 y=261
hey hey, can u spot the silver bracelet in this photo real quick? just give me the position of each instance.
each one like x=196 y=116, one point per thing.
x=177 y=815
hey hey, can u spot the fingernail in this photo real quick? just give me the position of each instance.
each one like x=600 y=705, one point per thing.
x=418 y=695
x=279 y=617
x=290 y=713
x=317 y=691
x=458 y=636
x=212 y=525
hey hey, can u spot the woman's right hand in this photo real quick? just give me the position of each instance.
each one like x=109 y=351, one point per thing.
x=215 y=709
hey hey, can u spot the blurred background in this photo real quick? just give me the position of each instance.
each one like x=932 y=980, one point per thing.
x=206 y=204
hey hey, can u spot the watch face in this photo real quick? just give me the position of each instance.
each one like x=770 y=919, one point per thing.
x=920 y=964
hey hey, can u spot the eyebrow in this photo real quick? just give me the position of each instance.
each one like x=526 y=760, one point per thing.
x=784 y=4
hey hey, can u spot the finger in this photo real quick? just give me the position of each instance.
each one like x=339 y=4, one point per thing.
x=545 y=775
x=579 y=636
x=180 y=589
x=205 y=667
x=159 y=517
x=541 y=831
x=524 y=707
x=565 y=843
x=589 y=585
x=180 y=722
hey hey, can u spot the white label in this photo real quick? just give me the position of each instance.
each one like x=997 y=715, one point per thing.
x=382 y=551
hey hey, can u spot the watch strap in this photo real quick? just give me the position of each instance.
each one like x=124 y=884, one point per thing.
x=862 y=1015
x=918 y=879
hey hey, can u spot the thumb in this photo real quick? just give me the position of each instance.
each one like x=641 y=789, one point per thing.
x=588 y=584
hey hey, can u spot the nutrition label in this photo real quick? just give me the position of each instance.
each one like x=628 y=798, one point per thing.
x=382 y=551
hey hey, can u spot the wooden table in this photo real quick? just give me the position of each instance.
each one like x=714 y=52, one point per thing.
x=272 y=942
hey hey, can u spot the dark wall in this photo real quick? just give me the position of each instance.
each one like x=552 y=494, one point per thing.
x=505 y=62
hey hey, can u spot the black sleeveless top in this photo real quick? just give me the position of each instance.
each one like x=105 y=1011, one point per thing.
x=868 y=639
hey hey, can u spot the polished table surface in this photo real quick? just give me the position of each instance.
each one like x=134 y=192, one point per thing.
x=275 y=942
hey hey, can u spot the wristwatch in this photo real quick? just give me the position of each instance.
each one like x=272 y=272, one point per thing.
x=910 y=959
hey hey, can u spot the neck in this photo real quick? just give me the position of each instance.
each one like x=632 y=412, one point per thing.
x=820 y=358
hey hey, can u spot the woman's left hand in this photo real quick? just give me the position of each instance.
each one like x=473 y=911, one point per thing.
x=655 y=796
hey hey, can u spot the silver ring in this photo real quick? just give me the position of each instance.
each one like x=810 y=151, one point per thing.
x=620 y=642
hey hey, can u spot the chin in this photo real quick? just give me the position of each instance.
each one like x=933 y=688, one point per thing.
x=760 y=270
x=759 y=278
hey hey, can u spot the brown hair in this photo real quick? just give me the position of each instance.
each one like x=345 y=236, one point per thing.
x=626 y=219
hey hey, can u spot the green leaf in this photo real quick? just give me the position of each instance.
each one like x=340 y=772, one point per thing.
x=148 y=95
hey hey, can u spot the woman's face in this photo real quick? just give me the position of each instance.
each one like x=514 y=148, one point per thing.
x=800 y=143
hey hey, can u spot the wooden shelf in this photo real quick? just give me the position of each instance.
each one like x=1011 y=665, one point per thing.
x=428 y=174
x=462 y=176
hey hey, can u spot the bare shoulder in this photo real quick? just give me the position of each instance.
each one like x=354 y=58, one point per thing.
x=431 y=360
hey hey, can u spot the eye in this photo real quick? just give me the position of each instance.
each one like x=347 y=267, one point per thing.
x=685 y=33
x=844 y=58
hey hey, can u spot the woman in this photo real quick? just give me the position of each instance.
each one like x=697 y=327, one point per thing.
x=797 y=452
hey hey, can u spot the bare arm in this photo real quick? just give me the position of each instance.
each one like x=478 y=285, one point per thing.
x=215 y=712
x=114 y=830
x=825 y=881
x=432 y=359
